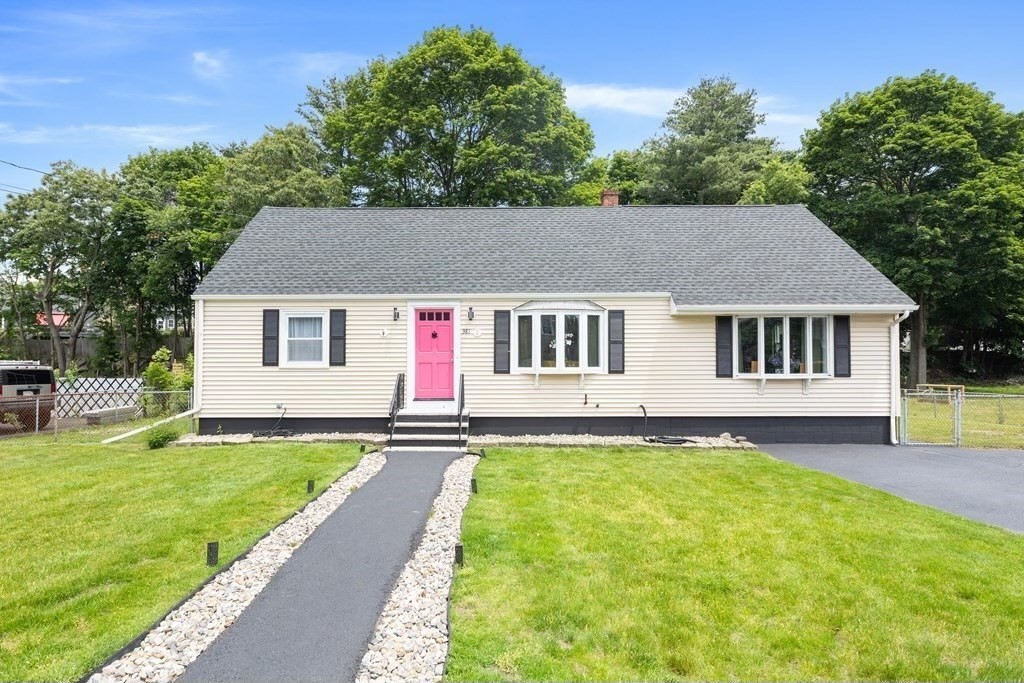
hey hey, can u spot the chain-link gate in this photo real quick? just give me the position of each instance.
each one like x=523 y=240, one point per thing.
x=958 y=418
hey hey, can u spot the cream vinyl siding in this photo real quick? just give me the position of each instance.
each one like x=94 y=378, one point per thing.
x=670 y=368
x=235 y=383
x=669 y=362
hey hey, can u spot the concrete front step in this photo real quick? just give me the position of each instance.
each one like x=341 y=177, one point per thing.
x=390 y=449
x=417 y=444
x=453 y=425
x=418 y=431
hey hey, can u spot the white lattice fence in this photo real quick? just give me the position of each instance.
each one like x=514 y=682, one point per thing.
x=93 y=393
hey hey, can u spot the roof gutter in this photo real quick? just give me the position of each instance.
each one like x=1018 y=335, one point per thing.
x=343 y=296
x=740 y=309
x=894 y=374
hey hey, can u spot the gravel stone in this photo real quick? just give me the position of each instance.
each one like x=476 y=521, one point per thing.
x=322 y=437
x=187 y=631
x=723 y=441
x=410 y=641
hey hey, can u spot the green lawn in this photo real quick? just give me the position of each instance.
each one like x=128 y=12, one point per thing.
x=996 y=388
x=993 y=421
x=99 y=541
x=660 y=564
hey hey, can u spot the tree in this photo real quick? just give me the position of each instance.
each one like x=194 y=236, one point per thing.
x=895 y=169
x=625 y=174
x=18 y=307
x=154 y=246
x=622 y=171
x=285 y=167
x=982 y=304
x=458 y=120
x=56 y=235
x=779 y=182
x=708 y=153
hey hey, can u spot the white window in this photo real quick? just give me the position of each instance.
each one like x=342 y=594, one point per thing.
x=304 y=339
x=783 y=346
x=559 y=337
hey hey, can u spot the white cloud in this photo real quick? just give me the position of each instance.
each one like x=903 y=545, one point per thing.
x=209 y=66
x=653 y=102
x=13 y=88
x=143 y=135
x=319 y=65
x=784 y=120
x=182 y=98
x=126 y=18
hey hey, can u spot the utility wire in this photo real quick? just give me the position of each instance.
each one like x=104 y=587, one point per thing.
x=24 y=168
x=17 y=187
x=149 y=200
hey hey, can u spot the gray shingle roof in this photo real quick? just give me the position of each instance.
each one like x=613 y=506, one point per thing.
x=702 y=255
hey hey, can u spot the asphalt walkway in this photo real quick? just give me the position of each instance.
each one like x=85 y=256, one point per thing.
x=314 y=619
x=984 y=485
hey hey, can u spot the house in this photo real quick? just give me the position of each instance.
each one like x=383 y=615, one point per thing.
x=757 y=320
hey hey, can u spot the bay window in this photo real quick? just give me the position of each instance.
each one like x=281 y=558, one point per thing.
x=559 y=337
x=782 y=346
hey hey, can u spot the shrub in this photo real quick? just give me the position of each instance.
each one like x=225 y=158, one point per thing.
x=182 y=374
x=158 y=437
x=156 y=374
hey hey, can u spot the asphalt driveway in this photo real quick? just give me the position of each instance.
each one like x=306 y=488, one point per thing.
x=987 y=486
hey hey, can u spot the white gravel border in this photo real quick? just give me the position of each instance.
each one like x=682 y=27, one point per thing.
x=410 y=642
x=725 y=440
x=180 y=638
x=322 y=437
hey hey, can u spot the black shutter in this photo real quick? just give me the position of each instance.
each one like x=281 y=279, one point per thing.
x=616 y=342
x=338 y=336
x=841 y=342
x=502 y=341
x=271 y=320
x=723 y=346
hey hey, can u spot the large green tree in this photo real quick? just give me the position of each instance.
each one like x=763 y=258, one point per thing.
x=922 y=175
x=622 y=171
x=56 y=235
x=284 y=167
x=709 y=152
x=780 y=181
x=458 y=120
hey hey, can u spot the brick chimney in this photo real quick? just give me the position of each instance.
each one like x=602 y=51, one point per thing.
x=609 y=197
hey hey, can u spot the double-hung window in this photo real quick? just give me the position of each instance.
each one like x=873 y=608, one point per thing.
x=559 y=337
x=783 y=346
x=305 y=339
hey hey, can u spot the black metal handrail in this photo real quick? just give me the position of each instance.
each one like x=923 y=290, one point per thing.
x=462 y=405
x=397 y=403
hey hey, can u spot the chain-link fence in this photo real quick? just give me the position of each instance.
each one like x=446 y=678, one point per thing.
x=85 y=414
x=958 y=418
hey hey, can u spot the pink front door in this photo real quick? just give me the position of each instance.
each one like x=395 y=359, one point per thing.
x=435 y=354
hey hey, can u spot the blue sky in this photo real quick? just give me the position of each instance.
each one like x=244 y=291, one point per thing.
x=96 y=82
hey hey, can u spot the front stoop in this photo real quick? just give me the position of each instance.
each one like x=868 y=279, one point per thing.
x=417 y=432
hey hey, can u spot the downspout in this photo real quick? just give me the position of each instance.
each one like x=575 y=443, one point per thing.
x=894 y=375
x=199 y=310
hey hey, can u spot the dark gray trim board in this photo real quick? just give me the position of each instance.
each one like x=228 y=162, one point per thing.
x=790 y=429
x=299 y=425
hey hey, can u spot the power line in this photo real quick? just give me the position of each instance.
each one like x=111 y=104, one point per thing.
x=149 y=200
x=24 y=168
x=17 y=187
